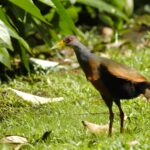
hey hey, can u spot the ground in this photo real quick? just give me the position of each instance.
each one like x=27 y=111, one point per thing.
x=81 y=102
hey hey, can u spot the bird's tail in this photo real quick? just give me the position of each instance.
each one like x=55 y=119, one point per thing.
x=147 y=92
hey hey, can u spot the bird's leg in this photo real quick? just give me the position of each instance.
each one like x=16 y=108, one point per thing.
x=109 y=102
x=111 y=117
x=121 y=115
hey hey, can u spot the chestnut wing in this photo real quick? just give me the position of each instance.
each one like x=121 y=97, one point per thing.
x=123 y=71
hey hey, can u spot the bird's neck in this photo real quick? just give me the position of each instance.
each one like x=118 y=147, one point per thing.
x=81 y=52
x=84 y=57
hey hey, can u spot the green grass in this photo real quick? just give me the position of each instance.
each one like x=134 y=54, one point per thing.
x=18 y=117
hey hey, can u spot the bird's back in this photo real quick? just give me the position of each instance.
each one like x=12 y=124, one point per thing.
x=112 y=78
x=122 y=71
x=120 y=80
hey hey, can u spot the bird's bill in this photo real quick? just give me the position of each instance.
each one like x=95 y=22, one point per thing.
x=59 y=45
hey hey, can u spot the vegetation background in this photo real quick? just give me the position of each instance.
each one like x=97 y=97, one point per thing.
x=118 y=29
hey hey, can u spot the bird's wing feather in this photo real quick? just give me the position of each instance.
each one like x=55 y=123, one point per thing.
x=123 y=71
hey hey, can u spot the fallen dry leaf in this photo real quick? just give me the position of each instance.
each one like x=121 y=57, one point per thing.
x=16 y=142
x=95 y=128
x=14 y=139
x=132 y=143
x=44 y=64
x=36 y=99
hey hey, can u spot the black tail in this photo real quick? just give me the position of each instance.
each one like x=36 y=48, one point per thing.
x=147 y=91
x=144 y=88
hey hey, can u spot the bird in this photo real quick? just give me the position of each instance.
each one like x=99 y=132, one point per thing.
x=113 y=80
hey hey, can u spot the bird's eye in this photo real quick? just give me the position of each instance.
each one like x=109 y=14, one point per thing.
x=68 y=40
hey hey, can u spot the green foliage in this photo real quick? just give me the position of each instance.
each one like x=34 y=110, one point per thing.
x=104 y=7
x=4 y=42
x=11 y=32
x=148 y=35
x=66 y=22
x=12 y=29
x=24 y=21
x=4 y=57
x=106 y=20
x=31 y=23
x=30 y=7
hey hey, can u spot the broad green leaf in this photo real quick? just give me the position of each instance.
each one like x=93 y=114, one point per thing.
x=6 y=19
x=29 y=7
x=24 y=58
x=123 y=5
x=74 y=12
x=20 y=39
x=5 y=40
x=4 y=57
x=118 y=23
x=66 y=22
x=106 y=20
x=129 y=6
x=103 y=7
x=48 y=2
x=12 y=31
x=118 y=4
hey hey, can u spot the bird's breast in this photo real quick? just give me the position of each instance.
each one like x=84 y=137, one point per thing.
x=91 y=71
x=100 y=86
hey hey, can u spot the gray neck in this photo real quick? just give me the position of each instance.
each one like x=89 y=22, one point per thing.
x=83 y=55
x=81 y=51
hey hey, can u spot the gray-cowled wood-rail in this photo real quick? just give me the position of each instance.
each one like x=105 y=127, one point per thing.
x=113 y=80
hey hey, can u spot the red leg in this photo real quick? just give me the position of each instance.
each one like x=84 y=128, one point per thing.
x=111 y=118
x=121 y=115
x=109 y=103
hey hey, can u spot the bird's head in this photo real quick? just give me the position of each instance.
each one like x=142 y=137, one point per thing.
x=69 y=40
